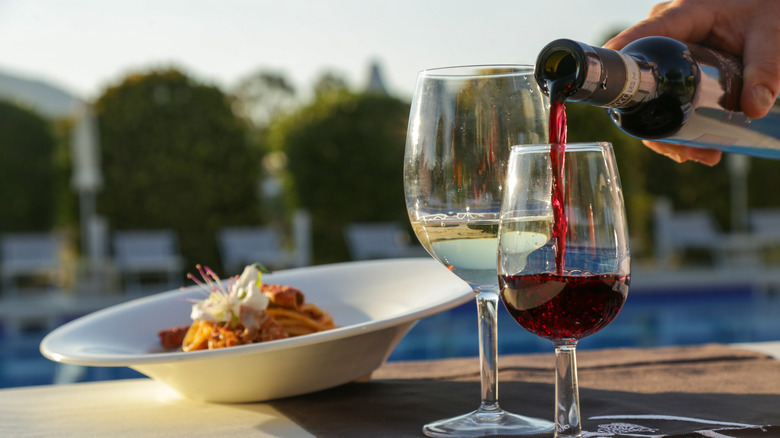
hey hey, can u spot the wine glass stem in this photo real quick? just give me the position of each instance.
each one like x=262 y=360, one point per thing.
x=487 y=303
x=567 y=395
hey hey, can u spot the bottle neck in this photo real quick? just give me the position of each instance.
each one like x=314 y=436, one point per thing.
x=573 y=71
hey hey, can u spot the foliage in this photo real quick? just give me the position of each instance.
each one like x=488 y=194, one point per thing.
x=764 y=174
x=345 y=161
x=27 y=171
x=330 y=82
x=175 y=156
x=260 y=97
x=66 y=202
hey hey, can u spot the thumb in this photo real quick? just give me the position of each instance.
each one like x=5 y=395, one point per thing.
x=761 y=78
x=760 y=87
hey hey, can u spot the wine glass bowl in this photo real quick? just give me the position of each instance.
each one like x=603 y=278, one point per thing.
x=463 y=123
x=563 y=253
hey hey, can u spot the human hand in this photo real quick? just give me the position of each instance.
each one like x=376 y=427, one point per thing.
x=682 y=154
x=746 y=28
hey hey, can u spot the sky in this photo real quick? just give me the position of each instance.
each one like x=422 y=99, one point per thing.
x=85 y=46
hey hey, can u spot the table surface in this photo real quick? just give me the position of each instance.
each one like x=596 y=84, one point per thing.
x=711 y=383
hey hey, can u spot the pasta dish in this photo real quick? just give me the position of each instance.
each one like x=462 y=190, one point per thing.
x=245 y=312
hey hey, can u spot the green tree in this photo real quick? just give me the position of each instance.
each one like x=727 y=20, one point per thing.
x=262 y=96
x=175 y=156
x=763 y=176
x=28 y=174
x=345 y=161
x=330 y=82
x=259 y=99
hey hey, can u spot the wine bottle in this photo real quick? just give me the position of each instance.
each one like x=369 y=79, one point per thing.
x=660 y=89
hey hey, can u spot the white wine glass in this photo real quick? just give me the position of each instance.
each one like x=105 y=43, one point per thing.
x=575 y=282
x=463 y=123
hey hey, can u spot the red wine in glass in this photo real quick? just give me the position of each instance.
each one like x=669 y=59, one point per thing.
x=564 y=299
x=569 y=306
x=559 y=293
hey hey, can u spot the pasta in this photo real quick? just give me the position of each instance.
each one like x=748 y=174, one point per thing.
x=249 y=312
x=297 y=323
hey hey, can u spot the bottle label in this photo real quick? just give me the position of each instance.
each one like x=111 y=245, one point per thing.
x=631 y=85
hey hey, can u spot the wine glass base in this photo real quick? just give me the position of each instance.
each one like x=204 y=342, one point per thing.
x=489 y=423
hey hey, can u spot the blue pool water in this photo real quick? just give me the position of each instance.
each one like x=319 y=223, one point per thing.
x=649 y=318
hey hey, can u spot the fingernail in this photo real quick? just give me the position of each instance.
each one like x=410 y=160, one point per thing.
x=674 y=156
x=763 y=96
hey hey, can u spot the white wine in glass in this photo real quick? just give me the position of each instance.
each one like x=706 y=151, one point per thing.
x=463 y=122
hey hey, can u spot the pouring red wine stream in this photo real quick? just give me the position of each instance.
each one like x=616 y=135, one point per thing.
x=558 y=133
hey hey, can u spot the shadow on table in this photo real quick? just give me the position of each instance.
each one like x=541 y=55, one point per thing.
x=399 y=408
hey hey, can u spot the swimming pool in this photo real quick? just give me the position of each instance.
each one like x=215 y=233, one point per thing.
x=650 y=317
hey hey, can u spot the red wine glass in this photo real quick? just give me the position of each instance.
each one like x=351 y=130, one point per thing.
x=462 y=125
x=563 y=253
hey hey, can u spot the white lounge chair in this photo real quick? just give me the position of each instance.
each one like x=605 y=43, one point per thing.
x=679 y=232
x=378 y=240
x=147 y=253
x=241 y=246
x=766 y=223
x=31 y=258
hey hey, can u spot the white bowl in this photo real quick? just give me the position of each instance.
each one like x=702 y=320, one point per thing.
x=374 y=303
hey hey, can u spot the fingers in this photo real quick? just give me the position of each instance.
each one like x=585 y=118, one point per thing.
x=673 y=20
x=681 y=154
x=761 y=79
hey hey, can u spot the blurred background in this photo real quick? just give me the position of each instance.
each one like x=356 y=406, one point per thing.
x=141 y=138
